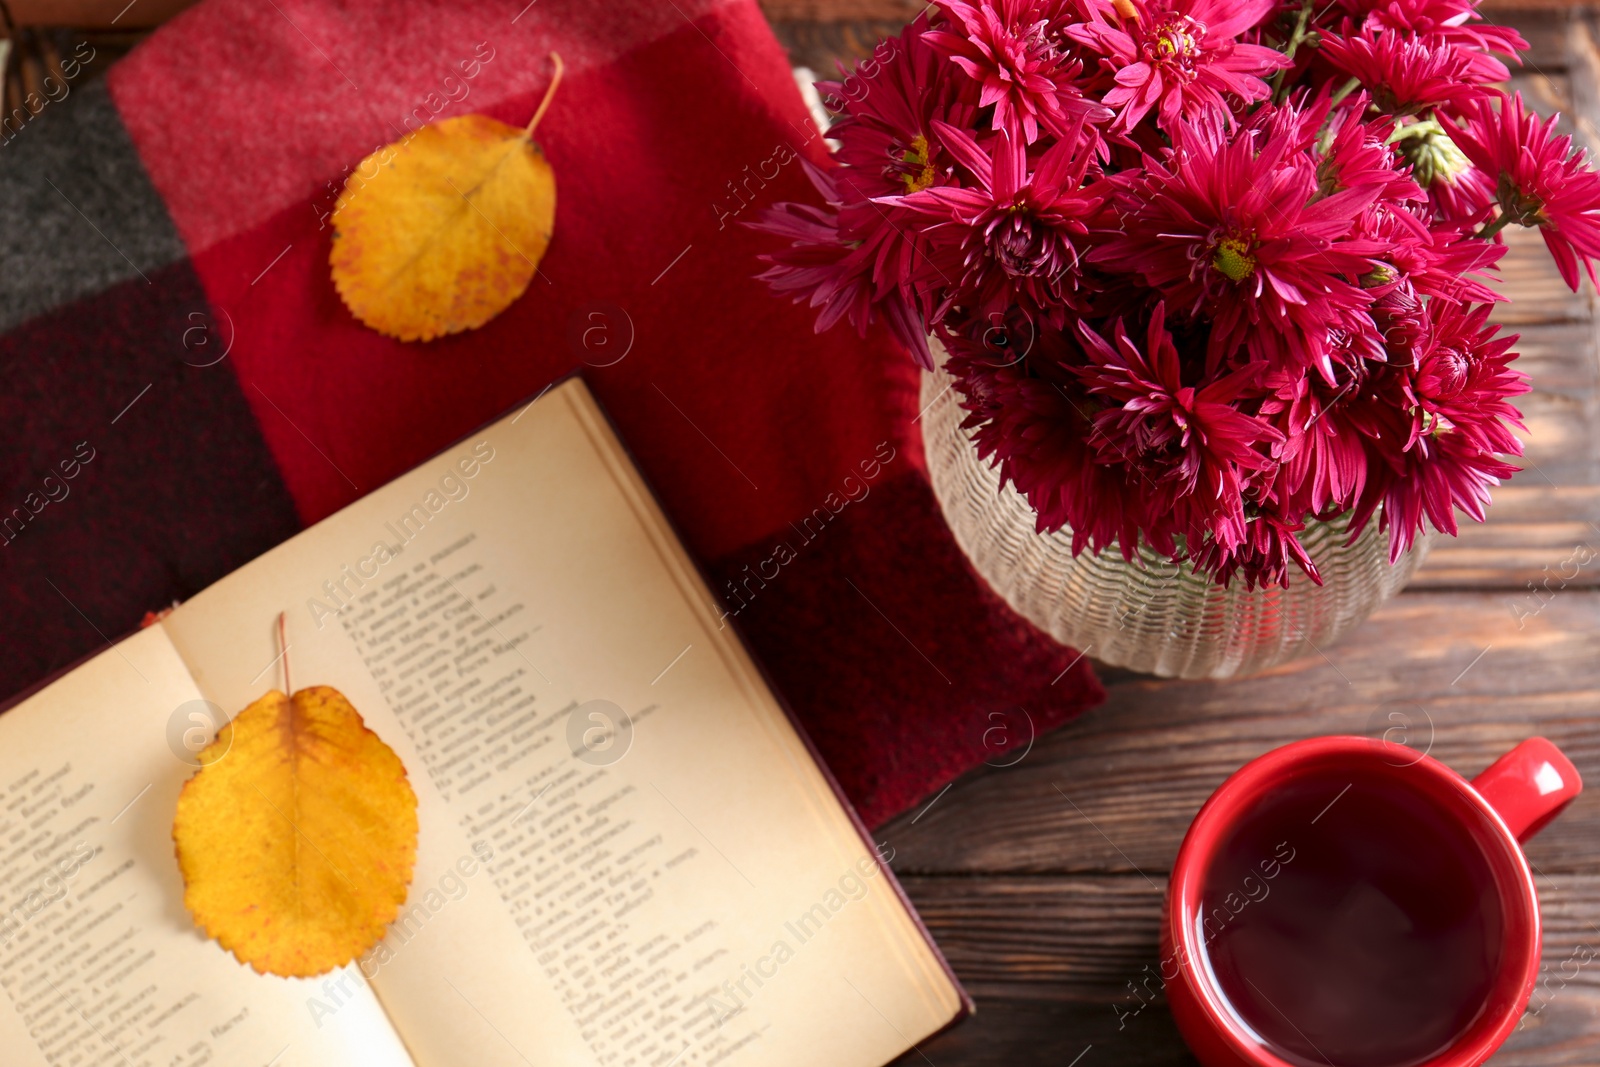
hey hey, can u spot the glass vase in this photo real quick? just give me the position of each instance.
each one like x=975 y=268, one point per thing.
x=1148 y=614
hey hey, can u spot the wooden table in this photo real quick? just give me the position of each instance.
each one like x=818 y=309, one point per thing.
x=1043 y=881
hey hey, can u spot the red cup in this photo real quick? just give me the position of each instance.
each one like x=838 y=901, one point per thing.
x=1505 y=805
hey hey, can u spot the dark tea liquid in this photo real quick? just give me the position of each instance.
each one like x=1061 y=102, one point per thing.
x=1362 y=934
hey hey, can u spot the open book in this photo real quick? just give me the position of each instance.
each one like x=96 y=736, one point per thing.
x=628 y=855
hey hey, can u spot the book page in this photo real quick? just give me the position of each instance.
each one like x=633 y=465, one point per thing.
x=99 y=961
x=627 y=856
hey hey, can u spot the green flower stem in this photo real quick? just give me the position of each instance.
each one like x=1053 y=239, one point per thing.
x=1345 y=90
x=1298 y=37
x=1492 y=228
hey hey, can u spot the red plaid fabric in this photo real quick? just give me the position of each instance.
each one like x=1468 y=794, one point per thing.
x=182 y=205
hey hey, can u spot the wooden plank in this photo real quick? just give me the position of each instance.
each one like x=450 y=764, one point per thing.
x=95 y=14
x=1017 y=1030
x=898 y=11
x=1544 y=26
x=1060 y=963
x=1559 y=356
x=1536 y=533
x=1473 y=672
x=820 y=46
x=1560 y=445
x=1080 y=937
x=843 y=10
x=1095 y=938
x=1533 y=287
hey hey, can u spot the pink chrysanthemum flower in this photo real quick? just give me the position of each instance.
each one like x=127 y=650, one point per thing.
x=1182 y=316
x=1235 y=227
x=1438 y=260
x=1179 y=57
x=847 y=259
x=1187 y=438
x=1011 y=237
x=1397 y=309
x=1350 y=151
x=1405 y=75
x=1457 y=21
x=1014 y=50
x=1441 y=473
x=1463 y=380
x=816 y=265
x=1323 y=462
x=840 y=276
x=884 y=127
x=1539 y=180
x=1459 y=417
x=1265 y=557
x=1033 y=421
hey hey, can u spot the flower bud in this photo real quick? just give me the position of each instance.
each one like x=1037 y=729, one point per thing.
x=1398 y=315
x=1434 y=156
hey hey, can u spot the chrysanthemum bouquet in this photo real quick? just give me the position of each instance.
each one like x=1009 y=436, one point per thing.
x=1205 y=270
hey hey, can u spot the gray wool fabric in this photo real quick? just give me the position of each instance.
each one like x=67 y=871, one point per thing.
x=89 y=217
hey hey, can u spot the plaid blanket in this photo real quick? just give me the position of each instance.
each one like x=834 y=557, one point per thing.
x=182 y=388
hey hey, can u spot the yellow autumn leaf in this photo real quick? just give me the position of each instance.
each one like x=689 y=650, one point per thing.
x=448 y=230
x=298 y=835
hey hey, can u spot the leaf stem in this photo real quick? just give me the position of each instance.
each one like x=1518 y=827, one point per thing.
x=283 y=651
x=549 y=94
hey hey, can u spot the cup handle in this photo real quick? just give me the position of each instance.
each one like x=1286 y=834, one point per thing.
x=1529 y=786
